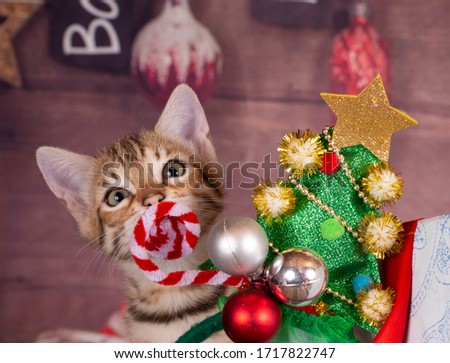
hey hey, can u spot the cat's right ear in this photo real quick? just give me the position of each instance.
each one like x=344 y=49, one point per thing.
x=67 y=175
x=183 y=117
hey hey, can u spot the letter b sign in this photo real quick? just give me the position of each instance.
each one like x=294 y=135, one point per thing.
x=92 y=33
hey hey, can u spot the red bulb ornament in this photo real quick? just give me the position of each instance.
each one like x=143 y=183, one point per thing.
x=358 y=54
x=251 y=316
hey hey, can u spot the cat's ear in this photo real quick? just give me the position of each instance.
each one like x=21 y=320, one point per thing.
x=68 y=176
x=184 y=117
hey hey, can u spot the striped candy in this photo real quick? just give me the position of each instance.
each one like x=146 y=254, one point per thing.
x=169 y=231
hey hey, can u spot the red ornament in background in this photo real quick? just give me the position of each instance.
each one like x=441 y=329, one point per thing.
x=175 y=48
x=358 y=54
x=251 y=316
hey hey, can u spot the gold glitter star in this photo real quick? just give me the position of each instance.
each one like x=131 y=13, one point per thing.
x=15 y=15
x=367 y=119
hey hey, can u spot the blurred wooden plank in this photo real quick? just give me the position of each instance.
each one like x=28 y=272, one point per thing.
x=275 y=63
x=25 y=313
x=418 y=36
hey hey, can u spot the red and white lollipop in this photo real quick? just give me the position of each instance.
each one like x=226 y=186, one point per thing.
x=169 y=231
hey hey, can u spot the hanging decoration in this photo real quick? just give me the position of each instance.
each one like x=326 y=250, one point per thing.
x=358 y=54
x=15 y=15
x=175 y=48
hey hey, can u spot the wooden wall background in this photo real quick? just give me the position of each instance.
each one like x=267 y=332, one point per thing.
x=50 y=278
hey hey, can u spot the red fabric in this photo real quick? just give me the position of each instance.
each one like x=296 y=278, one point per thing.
x=107 y=329
x=397 y=273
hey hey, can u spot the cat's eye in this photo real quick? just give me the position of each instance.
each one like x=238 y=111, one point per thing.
x=173 y=169
x=115 y=196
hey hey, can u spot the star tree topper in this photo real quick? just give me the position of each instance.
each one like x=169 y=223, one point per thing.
x=367 y=119
x=14 y=15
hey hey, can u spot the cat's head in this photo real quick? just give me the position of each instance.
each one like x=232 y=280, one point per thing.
x=107 y=194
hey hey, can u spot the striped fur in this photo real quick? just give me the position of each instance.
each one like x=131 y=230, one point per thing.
x=155 y=313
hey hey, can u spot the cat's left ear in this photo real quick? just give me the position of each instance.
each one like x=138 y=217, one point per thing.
x=184 y=117
x=68 y=176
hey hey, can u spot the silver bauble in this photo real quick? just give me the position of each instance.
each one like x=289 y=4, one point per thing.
x=238 y=246
x=297 y=277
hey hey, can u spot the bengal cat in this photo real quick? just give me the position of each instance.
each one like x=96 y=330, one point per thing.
x=107 y=193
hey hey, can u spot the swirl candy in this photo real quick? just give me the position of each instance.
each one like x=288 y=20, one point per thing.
x=169 y=231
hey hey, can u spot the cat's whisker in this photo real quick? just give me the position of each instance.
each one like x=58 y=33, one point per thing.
x=93 y=260
x=89 y=243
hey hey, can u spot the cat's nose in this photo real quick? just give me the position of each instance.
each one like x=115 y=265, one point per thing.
x=153 y=199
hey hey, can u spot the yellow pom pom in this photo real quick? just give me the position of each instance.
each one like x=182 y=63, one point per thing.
x=376 y=304
x=301 y=152
x=382 y=185
x=382 y=236
x=273 y=200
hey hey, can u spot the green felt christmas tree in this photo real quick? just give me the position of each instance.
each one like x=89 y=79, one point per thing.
x=331 y=205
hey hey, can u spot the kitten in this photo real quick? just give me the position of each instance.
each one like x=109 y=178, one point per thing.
x=107 y=205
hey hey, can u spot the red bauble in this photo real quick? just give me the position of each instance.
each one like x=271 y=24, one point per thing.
x=251 y=316
x=359 y=53
x=172 y=49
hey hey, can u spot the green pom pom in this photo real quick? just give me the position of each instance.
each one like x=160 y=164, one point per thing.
x=331 y=229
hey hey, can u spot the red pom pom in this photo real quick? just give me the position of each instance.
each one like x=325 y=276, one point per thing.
x=251 y=316
x=330 y=163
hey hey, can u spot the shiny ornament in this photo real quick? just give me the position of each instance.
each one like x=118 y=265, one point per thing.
x=238 y=246
x=297 y=277
x=382 y=184
x=273 y=201
x=175 y=48
x=251 y=316
x=382 y=235
x=301 y=152
x=375 y=305
x=367 y=119
x=358 y=54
